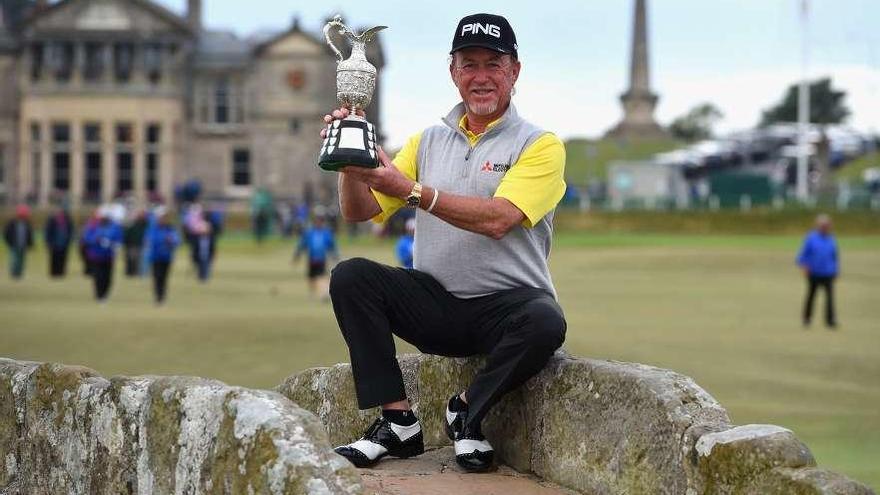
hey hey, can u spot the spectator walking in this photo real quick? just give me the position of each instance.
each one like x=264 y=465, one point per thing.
x=150 y=223
x=204 y=244
x=163 y=240
x=261 y=213
x=101 y=241
x=133 y=240
x=83 y=248
x=19 y=237
x=318 y=242
x=58 y=234
x=820 y=262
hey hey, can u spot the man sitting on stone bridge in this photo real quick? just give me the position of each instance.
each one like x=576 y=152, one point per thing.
x=485 y=185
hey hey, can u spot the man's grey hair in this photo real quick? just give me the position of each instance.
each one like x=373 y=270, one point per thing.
x=451 y=58
x=823 y=219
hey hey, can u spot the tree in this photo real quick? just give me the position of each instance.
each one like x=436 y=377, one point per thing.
x=826 y=105
x=697 y=123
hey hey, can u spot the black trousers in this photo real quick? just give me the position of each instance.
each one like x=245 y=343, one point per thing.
x=57 y=262
x=102 y=273
x=160 y=279
x=133 y=260
x=814 y=283
x=519 y=329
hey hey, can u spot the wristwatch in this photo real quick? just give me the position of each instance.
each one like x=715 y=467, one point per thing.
x=415 y=196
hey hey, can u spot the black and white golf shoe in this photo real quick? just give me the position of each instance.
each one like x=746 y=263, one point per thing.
x=472 y=451
x=381 y=439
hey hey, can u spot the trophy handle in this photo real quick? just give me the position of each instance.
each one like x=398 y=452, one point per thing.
x=341 y=28
x=352 y=36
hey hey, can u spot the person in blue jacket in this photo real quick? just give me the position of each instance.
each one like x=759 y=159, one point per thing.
x=820 y=262
x=318 y=242
x=404 y=246
x=101 y=240
x=163 y=240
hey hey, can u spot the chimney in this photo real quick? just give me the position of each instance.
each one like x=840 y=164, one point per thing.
x=194 y=14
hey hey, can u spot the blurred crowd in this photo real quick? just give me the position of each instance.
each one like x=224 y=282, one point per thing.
x=147 y=238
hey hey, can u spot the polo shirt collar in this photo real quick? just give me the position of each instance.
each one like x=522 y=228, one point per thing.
x=455 y=119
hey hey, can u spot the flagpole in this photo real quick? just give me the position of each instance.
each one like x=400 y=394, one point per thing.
x=803 y=107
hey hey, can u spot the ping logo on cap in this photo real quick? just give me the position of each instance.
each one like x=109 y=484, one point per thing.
x=476 y=28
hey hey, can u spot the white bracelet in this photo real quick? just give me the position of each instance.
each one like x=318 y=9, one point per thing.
x=433 y=201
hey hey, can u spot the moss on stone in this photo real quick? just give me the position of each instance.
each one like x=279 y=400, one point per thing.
x=440 y=378
x=734 y=461
x=101 y=463
x=50 y=381
x=329 y=394
x=123 y=467
x=800 y=481
x=239 y=466
x=162 y=432
x=298 y=387
x=8 y=429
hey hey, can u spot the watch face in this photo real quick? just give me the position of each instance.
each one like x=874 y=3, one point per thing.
x=413 y=201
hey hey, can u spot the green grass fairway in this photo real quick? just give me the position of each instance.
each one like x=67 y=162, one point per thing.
x=722 y=309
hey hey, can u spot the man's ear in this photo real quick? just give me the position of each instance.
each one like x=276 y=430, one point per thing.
x=516 y=66
x=452 y=69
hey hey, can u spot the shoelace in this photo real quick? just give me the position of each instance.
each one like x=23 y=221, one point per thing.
x=374 y=428
x=472 y=432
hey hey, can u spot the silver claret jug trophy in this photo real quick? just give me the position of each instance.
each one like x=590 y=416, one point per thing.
x=352 y=140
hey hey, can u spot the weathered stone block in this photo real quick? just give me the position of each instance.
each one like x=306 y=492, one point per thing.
x=732 y=457
x=805 y=481
x=438 y=379
x=329 y=394
x=67 y=430
x=610 y=427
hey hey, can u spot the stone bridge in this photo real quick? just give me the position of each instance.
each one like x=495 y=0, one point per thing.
x=580 y=426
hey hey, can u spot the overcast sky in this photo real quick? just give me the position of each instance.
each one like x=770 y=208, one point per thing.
x=738 y=54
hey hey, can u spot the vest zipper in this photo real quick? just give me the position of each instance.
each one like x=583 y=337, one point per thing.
x=467 y=155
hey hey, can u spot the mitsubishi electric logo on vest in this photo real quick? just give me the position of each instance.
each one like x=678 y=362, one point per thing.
x=476 y=28
x=495 y=167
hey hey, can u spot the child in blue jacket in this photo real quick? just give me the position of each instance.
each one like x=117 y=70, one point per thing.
x=101 y=240
x=163 y=241
x=319 y=243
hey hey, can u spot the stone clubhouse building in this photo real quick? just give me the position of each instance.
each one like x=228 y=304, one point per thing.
x=108 y=98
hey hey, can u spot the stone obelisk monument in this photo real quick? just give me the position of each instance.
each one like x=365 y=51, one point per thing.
x=638 y=101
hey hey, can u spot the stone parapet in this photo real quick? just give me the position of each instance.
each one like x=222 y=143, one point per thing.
x=598 y=427
x=65 y=429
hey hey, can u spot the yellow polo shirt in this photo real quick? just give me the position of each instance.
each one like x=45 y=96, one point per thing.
x=534 y=184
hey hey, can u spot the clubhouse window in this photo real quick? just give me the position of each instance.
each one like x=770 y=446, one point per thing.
x=61 y=156
x=241 y=167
